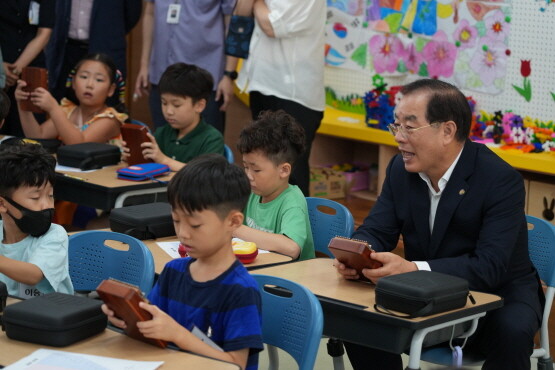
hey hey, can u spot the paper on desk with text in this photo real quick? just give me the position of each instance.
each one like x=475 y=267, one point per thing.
x=46 y=359
x=171 y=248
x=59 y=168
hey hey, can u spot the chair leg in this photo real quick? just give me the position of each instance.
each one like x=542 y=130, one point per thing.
x=545 y=363
x=273 y=358
x=336 y=351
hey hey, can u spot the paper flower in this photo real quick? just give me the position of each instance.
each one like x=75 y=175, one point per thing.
x=412 y=59
x=386 y=51
x=465 y=35
x=497 y=25
x=489 y=61
x=440 y=54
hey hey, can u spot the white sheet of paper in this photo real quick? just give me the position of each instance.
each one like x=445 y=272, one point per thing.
x=43 y=359
x=170 y=248
x=71 y=169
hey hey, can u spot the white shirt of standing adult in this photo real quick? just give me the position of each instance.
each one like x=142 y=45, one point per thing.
x=291 y=64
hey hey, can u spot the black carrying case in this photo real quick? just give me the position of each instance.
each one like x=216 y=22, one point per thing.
x=420 y=293
x=143 y=221
x=88 y=156
x=54 y=319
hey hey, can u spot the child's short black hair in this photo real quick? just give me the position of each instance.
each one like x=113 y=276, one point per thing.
x=276 y=134
x=4 y=105
x=209 y=182
x=25 y=165
x=186 y=80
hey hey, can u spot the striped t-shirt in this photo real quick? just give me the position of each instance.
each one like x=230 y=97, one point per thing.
x=227 y=309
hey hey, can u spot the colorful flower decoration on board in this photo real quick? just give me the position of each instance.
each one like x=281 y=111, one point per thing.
x=465 y=35
x=441 y=55
x=490 y=61
x=526 y=90
x=386 y=50
x=497 y=25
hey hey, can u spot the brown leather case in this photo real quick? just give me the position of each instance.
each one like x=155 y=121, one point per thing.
x=353 y=253
x=124 y=300
x=35 y=77
x=134 y=136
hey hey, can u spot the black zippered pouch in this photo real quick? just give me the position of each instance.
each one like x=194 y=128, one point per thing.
x=54 y=319
x=420 y=293
x=143 y=221
x=88 y=156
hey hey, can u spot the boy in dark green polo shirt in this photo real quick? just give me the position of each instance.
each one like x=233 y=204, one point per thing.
x=184 y=90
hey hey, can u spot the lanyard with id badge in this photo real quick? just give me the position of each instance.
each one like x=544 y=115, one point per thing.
x=34 y=9
x=173 y=13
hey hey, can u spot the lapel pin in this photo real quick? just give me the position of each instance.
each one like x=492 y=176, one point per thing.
x=461 y=192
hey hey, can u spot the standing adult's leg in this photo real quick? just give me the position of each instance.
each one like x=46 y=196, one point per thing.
x=74 y=52
x=155 y=105
x=212 y=113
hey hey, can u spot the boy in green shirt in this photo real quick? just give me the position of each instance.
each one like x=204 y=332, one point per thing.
x=276 y=216
x=184 y=90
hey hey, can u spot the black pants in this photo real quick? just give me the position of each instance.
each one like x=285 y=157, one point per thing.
x=309 y=119
x=504 y=336
x=211 y=114
x=74 y=52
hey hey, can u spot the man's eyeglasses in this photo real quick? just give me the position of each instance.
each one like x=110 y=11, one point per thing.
x=395 y=128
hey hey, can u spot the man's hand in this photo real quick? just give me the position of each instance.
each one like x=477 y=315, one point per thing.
x=12 y=73
x=348 y=273
x=141 y=84
x=392 y=265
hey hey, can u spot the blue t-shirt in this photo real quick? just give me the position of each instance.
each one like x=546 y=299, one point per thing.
x=227 y=309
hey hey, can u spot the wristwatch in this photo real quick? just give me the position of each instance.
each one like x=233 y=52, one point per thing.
x=231 y=74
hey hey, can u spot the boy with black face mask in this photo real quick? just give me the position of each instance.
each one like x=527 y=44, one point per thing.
x=33 y=251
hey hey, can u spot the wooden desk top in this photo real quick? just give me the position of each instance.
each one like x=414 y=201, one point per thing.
x=112 y=344
x=161 y=257
x=107 y=177
x=321 y=278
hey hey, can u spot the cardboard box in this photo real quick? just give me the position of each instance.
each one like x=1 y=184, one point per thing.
x=326 y=183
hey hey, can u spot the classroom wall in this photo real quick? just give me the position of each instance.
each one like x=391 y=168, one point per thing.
x=530 y=38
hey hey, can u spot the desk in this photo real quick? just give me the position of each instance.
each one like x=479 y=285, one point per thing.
x=161 y=257
x=101 y=189
x=112 y=344
x=349 y=310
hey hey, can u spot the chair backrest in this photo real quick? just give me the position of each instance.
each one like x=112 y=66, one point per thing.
x=338 y=222
x=91 y=260
x=228 y=154
x=140 y=123
x=541 y=247
x=292 y=318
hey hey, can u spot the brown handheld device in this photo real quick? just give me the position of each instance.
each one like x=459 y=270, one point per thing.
x=124 y=300
x=34 y=77
x=134 y=136
x=353 y=253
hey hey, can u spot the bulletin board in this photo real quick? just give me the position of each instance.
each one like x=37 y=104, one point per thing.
x=509 y=68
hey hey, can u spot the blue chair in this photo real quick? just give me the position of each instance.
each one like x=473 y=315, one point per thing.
x=328 y=219
x=91 y=260
x=140 y=123
x=541 y=248
x=228 y=154
x=292 y=320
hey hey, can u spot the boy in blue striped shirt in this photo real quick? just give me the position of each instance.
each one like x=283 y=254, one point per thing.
x=210 y=290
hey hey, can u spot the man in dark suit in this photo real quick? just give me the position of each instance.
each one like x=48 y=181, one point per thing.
x=460 y=210
x=88 y=26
